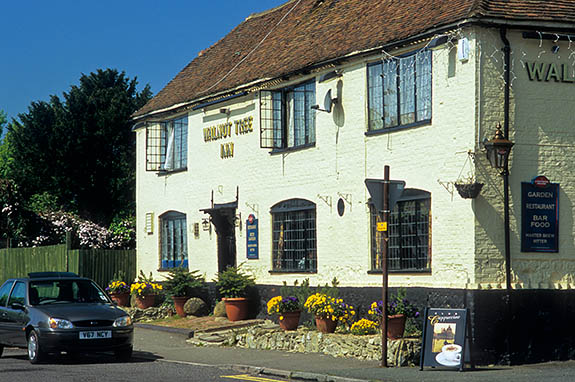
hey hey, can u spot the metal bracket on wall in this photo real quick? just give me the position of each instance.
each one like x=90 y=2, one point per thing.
x=254 y=207
x=448 y=186
x=347 y=199
x=326 y=199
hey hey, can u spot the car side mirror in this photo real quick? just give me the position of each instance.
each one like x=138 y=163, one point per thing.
x=17 y=306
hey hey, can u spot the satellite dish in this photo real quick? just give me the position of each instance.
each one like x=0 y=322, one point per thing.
x=328 y=103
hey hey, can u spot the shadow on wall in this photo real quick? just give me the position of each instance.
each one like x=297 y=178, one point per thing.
x=338 y=112
x=490 y=242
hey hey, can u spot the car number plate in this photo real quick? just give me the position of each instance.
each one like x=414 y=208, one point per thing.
x=95 y=334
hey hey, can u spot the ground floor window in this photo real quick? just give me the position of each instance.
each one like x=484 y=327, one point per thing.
x=294 y=236
x=173 y=240
x=409 y=230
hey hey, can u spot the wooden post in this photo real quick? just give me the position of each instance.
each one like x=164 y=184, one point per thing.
x=384 y=237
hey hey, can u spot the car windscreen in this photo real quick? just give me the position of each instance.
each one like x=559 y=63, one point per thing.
x=63 y=291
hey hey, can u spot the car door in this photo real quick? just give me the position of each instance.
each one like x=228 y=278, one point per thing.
x=4 y=293
x=16 y=316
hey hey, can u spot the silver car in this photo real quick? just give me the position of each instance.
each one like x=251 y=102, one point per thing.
x=52 y=312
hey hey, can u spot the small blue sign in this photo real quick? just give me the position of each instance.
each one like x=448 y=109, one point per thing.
x=539 y=216
x=252 y=237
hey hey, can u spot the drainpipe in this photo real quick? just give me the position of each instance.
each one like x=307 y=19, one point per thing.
x=505 y=175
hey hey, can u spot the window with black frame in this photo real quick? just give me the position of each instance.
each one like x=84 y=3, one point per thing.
x=399 y=91
x=294 y=236
x=286 y=117
x=174 y=241
x=409 y=232
x=167 y=145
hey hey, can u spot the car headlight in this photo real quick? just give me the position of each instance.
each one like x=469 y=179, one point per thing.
x=123 y=321
x=59 y=323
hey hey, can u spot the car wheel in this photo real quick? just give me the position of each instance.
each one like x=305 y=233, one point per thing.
x=1 y=350
x=35 y=353
x=123 y=354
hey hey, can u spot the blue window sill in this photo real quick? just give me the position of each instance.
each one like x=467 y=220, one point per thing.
x=386 y=130
x=171 y=264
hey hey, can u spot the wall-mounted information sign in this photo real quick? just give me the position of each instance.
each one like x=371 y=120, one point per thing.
x=444 y=338
x=539 y=215
x=252 y=237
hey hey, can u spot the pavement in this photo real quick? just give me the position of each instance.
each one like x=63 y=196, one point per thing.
x=169 y=345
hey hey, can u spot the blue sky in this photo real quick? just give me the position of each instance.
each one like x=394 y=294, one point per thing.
x=45 y=46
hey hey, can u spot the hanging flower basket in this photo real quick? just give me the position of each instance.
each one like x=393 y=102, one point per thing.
x=469 y=190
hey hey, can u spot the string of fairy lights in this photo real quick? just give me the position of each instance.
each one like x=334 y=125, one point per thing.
x=559 y=46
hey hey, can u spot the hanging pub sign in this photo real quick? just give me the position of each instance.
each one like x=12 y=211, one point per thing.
x=445 y=334
x=539 y=215
x=252 y=237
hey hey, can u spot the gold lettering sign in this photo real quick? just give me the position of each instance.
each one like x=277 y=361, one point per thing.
x=224 y=130
x=213 y=133
x=227 y=150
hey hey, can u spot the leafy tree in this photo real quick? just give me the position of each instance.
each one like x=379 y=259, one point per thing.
x=79 y=152
x=3 y=121
x=5 y=155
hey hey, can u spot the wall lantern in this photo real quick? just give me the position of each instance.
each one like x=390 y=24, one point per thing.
x=498 y=149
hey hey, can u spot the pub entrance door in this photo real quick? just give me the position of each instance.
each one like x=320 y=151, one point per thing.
x=223 y=218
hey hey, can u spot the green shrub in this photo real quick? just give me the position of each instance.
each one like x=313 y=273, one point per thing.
x=233 y=282
x=181 y=282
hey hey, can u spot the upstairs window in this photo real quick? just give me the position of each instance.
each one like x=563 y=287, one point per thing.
x=167 y=145
x=287 y=119
x=294 y=236
x=399 y=91
x=173 y=240
x=409 y=234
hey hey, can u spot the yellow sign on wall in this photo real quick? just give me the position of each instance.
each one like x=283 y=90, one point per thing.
x=382 y=226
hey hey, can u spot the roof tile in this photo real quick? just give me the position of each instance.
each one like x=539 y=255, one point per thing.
x=304 y=32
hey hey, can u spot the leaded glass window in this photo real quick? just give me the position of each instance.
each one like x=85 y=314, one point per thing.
x=167 y=145
x=294 y=236
x=174 y=241
x=399 y=91
x=287 y=119
x=409 y=232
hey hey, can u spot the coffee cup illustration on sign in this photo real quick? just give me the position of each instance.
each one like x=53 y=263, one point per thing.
x=450 y=355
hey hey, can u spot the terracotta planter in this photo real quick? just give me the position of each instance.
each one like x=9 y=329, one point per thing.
x=120 y=299
x=237 y=308
x=146 y=301
x=325 y=325
x=395 y=326
x=179 y=302
x=289 y=320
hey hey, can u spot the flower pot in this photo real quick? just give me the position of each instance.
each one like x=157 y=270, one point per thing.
x=120 y=298
x=237 y=308
x=145 y=301
x=179 y=302
x=468 y=190
x=325 y=325
x=395 y=326
x=289 y=320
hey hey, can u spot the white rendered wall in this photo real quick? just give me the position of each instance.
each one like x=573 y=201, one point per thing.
x=427 y=157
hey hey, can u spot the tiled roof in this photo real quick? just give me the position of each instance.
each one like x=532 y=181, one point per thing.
x=301 y=33
x=535 y=10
